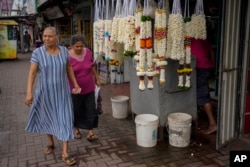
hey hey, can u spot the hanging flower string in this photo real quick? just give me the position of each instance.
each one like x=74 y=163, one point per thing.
x=129 y=36
x=116 y=39
x=138 y=15
x=184 y=70
x=180 y=72
x=95 y=40
x=107 y=42
x=143 y=51
x=187 y=47
x=99 y=38
x=149 y=45
x=160 y=43
x=198 y=22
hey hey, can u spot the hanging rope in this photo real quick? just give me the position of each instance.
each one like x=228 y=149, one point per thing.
x=186 y=10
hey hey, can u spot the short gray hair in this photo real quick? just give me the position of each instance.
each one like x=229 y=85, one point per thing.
x=77 y=38
x=53 y=29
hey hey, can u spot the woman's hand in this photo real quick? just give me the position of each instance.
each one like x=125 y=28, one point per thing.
x=29 y=99
x=98 y=83
x=76 y=90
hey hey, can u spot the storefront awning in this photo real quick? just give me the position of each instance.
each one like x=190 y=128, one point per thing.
x=8 y=22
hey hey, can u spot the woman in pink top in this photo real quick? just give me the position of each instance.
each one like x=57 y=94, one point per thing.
x=204 y=55
x=85 y=112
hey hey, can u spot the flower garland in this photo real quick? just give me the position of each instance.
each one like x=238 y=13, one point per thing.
x=175 y=42
x=129 y=36
x=121 y=33
x=116 y=54
x=138 y=15
x=95 y=40
x=107 y=34
x=99 y=38
x=185 y=69
x=187 y=47
x=145 y=52
x=115 y=29
x=198 y=22
x=149 y=47
x=160 y=43
x=142 y=57
x=116 y=39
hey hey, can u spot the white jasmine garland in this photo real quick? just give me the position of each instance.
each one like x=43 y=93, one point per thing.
x=149 y=60
x=129 y=33
x=180 y=72
x=188 y=55
x=122 y=22
x=187 y=83
x=115 y=29
x=160 y=43
x=100 y=28
x=161 y=63
x=138 y=15
x=149 y=45
x=180 y=81
x=142 y=59
x=198 y=26
x=107 y=34
x=160 y=32
x=157 y=68
x=187 y=68
x=137 y=57
x=95 y=40
x=142 y=46
x=150 y=75
x=161 y=67
x=162 y=75
x=188 y=29
x=175 y=41
x=141 y=81
x=113 y=50
x=145 y=48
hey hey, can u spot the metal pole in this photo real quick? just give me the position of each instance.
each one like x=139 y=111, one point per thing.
x=21 y=37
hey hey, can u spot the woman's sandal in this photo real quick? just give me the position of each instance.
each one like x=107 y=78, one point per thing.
x=49 y=149
x=69 y=160
x=77 y=135
x=92 y=137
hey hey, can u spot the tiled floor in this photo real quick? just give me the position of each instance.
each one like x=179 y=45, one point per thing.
x=117 y=145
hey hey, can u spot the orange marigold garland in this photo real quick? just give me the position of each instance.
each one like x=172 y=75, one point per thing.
x=145 y=52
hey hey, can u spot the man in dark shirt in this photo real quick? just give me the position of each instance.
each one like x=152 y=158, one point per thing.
x=27 y=39
x=18 y=38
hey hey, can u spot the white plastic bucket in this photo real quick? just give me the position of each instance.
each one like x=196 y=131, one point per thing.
x=146 y=130
x=120 y=106
x=179 y=129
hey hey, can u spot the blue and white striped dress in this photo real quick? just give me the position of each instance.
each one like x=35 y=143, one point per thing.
x=51 y=111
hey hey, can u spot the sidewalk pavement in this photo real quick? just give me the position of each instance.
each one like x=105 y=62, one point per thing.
x=116 y=146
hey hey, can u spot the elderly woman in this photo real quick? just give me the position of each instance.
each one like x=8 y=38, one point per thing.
x=51 y=109
x=85 y=112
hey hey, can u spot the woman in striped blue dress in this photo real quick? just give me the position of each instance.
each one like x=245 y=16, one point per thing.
x=51 y=109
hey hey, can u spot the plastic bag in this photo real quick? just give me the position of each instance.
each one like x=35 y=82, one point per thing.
x=98 y=99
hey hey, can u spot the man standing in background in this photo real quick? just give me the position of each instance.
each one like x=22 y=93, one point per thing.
x=27 y=39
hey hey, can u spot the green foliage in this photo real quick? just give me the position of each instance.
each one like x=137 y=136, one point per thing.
x=129 y=53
